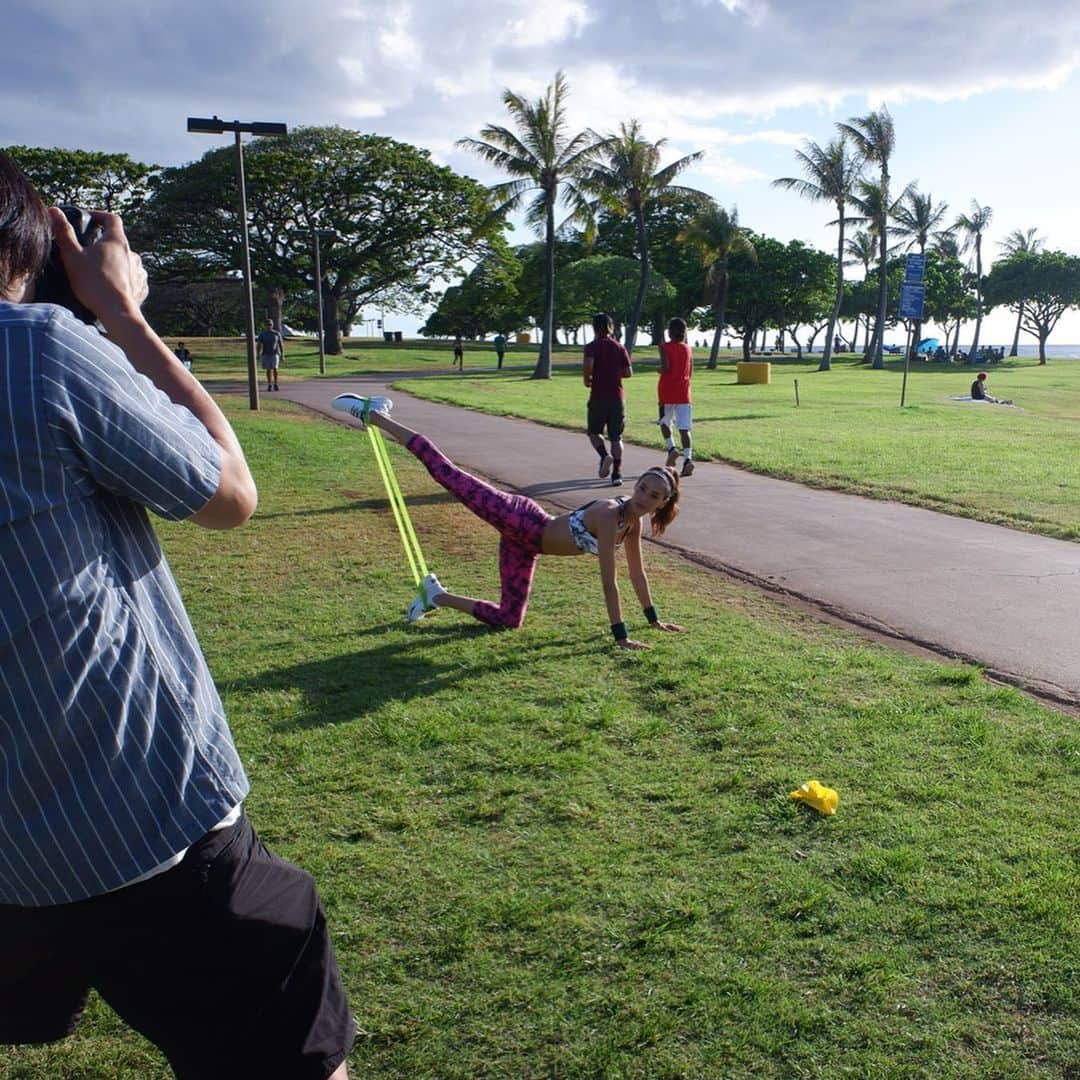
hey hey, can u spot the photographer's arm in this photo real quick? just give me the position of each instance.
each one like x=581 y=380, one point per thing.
x=110 y=280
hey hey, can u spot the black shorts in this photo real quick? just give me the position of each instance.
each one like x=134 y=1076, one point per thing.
x=607 y=413
x=224 y=962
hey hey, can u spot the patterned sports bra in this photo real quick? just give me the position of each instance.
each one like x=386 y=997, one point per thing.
x=584 y=539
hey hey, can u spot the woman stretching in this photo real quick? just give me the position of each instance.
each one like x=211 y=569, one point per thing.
x=528 y=531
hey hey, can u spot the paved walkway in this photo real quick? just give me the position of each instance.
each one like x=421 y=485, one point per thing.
x=1005 y=599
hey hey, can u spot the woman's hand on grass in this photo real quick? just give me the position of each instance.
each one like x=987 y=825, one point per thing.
x=670 y=627
x=629 y=643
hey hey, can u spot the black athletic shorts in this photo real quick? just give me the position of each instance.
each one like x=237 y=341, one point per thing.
x=223 y=961
x=607 y=413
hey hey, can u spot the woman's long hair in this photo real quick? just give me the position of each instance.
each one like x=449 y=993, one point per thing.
x=664 y=515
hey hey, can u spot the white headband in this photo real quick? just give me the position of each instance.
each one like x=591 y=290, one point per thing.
x=664 y=473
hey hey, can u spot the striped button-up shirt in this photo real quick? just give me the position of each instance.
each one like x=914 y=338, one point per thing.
x=114 y=750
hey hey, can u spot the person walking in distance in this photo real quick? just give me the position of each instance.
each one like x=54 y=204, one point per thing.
x=272 y=349
x=606 y=364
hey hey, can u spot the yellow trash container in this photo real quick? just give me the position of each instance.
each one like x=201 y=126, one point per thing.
x=754 y=371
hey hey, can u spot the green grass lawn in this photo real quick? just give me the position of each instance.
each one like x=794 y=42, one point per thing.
x=1017 y=467
x=221 y=362
x=542 y=857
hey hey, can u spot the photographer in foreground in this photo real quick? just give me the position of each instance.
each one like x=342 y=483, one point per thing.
x=126 y=862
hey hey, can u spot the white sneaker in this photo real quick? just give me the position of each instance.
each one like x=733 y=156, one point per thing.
x=430 y=587
x=359 y=407
x=605 y=465
x=672 y=457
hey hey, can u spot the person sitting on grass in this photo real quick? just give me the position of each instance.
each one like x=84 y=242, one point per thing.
x=598 y=528
x=979 y=391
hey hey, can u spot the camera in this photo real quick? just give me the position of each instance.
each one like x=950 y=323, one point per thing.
x=52 y=286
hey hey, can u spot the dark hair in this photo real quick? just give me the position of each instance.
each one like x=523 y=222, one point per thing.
x=602 y=324
x=25 y=232
x=677 y=329
x=664 y=515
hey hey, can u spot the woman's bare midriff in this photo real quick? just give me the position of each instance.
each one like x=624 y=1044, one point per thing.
x=557 y=539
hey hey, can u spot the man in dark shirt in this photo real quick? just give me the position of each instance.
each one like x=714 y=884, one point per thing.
x=607 y=363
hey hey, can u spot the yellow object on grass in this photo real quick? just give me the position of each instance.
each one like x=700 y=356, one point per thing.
x=814 y=793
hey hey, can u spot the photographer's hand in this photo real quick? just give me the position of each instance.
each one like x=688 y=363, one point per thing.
x=108 y=277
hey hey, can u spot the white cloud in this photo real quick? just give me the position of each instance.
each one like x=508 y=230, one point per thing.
x=547 y=21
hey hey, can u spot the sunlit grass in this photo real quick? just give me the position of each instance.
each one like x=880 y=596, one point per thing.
x=545 y=858
x=1013 y=466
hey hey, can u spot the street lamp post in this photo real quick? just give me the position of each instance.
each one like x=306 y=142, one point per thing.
x=216 y=126
x=318 y=292
x=316 y=235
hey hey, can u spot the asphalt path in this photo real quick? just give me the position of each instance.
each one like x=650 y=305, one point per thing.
x=1004 y=599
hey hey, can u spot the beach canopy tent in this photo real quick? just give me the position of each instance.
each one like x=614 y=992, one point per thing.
x=927 y=345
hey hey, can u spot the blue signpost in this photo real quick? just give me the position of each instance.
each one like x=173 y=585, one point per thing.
x=912 y=299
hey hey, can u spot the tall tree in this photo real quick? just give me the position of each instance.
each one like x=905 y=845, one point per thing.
x=830 y=173
x=392 y=223
x=87 y=178
x=540 y=156
x=625 y=178
x=1043 y=284
x=715 y=235
x=916 y=217
x=875 y=138
x=862 y=249
x=972 y=226
x=1020 y=242
x=666 y=217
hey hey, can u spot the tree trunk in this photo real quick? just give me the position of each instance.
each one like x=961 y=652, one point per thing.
x=1042 y=346
x=643 y=280
x=834 y=316
x=1016 y=336
x=883 y=284
x=333 y=327
x=747 y=343
x=872 y=343
x=714 y=351
x=719 y=311
x=798 y=347
x=543 y=362
x=277 y=302
x=955 y=340
x=973 y=354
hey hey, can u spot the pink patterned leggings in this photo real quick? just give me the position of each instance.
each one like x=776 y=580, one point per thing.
x=520 y=521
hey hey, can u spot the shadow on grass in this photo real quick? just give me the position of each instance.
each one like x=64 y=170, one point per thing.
x=341 y=688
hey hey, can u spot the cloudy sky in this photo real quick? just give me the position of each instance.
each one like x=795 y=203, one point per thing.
x=985 y=95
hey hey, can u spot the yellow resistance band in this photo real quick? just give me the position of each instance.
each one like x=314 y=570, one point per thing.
x=397 y=504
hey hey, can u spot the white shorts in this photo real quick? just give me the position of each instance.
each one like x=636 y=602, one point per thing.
x=680 y=414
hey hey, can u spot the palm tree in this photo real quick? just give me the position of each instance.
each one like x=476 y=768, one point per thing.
x=831 y=172
x=916 y=218
x=946 y=243
x=868 y=198
x=624 y=178
x=540 y=156
x=973 y=226
x=1020 y=242
x=875 y=139
x=716 y=236
x=862 y=249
